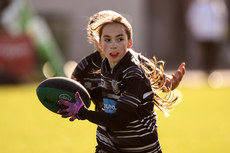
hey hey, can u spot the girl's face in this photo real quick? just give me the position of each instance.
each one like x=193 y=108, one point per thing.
x=114 y=42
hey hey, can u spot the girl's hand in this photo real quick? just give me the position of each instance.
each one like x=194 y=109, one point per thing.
x=73 y=108
x=175 y=79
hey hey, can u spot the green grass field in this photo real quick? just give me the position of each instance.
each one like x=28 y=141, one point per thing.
x=199 y=124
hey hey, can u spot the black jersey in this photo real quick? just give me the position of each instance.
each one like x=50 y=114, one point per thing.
x=86 y=73
x=128 y=120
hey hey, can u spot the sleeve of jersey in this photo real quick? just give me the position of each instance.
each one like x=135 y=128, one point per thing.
x=113 y=121
x=80 y=68
x=135 y=88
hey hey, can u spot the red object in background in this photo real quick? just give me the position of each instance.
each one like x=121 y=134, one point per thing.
x=17 y=56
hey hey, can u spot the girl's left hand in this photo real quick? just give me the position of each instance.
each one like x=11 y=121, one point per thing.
x=175 y=79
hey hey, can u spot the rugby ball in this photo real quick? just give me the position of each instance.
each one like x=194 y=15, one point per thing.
x=51 y=90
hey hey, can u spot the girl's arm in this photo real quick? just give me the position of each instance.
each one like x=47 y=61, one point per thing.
x=78 y=110
x=113 y=121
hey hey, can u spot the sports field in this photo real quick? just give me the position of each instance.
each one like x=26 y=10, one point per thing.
x=199 y=124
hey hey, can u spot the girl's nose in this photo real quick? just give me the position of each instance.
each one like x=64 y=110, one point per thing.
x=113 y=45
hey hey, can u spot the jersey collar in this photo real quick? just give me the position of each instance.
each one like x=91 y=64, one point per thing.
x=106 y=67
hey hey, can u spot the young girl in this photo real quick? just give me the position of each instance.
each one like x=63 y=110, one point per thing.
x=128 y=92
x=85 y=70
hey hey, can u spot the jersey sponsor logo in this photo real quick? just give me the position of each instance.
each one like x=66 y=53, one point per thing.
x=109 y=106
x=115 y=87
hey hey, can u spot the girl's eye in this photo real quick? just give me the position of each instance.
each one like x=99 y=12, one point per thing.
x=107 y=40
x=120 y=39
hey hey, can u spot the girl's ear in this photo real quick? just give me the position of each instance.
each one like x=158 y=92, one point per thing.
x=130 y=43
x=99 y=44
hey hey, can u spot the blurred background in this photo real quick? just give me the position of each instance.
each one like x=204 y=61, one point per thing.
x=45 y=38
x=48 y=37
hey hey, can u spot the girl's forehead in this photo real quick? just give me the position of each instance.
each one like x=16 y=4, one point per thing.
x=113 y=28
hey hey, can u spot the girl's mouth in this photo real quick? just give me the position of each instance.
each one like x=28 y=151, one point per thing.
x=114 y=54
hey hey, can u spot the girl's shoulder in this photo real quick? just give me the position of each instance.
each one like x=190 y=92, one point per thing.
x=133 y=69
x=91 y=61
x=130 y=64
x=95 y=56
